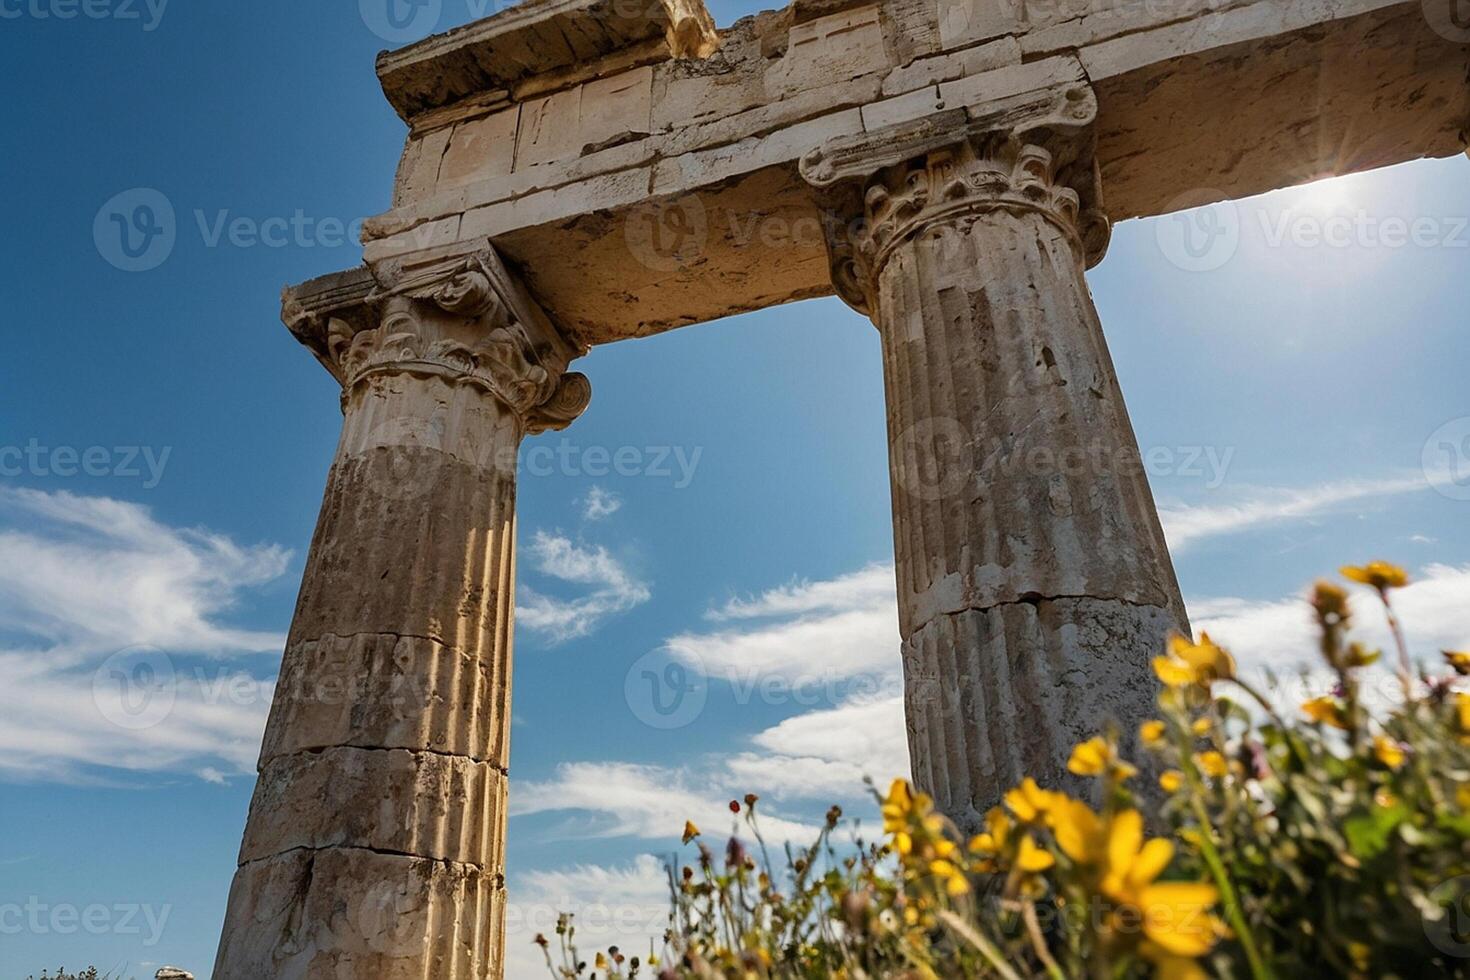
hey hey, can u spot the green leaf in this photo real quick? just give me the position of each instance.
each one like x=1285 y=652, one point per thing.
x=1368 y=831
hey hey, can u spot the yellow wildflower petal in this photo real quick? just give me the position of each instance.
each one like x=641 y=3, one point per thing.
x=957 y=885
x=1201 y=726
x=1326 y=711
x=1458 y=660
x=1151 y=732
x=1212 y=764
x=1078 y=831
x=1176 y=917
x=1388 y=751
x=1089 y=758
x=690 y=831
x=1167 y=966
x=1171 y=672
x=1171 y=780
x=1125 y=837
x=1151 y=862
x=1381 y=575
x=1032 y=857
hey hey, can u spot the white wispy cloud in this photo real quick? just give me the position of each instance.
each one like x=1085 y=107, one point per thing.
x=825 y=755
x=622 y=905
x=614 y=588
x=838 y=628
x=869 y=587
x=1279 y=636
x=600 y=503
x=87 y=577
x=1185 y=526
x=622 y=799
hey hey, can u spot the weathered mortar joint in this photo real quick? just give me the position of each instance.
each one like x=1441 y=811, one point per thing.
x=952 y=169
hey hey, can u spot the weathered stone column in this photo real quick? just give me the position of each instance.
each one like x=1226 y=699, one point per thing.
x=374 y=845
x=1034 y=581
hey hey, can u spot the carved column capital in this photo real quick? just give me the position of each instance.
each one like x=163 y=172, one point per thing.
x=886 y=187
x=458 y=316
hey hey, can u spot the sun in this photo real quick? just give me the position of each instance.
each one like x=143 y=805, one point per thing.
x=1326 y=194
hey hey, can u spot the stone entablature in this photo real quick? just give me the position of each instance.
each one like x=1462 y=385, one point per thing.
x=540 y=161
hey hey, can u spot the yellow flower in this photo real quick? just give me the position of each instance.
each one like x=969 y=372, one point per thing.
x=1458 y=660
x=1151 y=733
x=1331 y=603
x=1379 y=574
x=1167 y=966
x=1462 y=714
x=1199 y=663
x=1171 y=780
x=1077 y=829
x=993 y=840
x=1095 y=757
x=1029 y=802
x=1326 y=711
x=1388 y=751
x=1212 y=764
x=1360 y=656
x=897 y=806
x=1090 y=758
x=690 y=831
x=955 y=882
x=1462 y=796
x=1201 y=726
x=1175 y=915
x=600 y=962
x=1032 y=857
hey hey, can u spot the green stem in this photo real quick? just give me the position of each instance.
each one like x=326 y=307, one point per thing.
x=985 y=947
x=1233 y=912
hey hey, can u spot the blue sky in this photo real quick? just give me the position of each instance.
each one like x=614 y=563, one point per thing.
x=1301 y=402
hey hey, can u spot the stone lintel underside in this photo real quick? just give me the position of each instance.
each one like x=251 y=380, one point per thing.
x=638 y=192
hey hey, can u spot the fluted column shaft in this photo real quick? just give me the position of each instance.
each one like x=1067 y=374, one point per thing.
x=1034 y=583
x=375 y=842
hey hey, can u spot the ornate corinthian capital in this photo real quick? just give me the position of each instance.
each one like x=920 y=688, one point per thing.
x=883 y=188
x=459 y=316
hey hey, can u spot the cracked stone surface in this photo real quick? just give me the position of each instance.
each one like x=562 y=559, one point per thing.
x=1034 y=581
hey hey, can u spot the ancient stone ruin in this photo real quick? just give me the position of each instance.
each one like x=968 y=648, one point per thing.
x=578 y=172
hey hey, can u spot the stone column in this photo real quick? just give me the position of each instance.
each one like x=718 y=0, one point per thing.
x=374 y=846
x=1034 y=582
